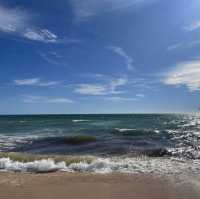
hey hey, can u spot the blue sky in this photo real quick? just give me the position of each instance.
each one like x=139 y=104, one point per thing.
x=92 y=56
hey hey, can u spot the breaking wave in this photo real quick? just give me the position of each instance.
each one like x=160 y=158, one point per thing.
x=105 y=165
x=135 y=132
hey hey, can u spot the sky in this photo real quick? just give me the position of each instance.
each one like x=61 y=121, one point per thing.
x=99 y=56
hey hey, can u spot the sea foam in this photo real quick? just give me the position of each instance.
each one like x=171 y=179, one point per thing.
x=106 y=165
x=46 y=165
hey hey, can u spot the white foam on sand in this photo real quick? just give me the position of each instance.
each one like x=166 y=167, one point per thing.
x=46 y=165
x=107 y=165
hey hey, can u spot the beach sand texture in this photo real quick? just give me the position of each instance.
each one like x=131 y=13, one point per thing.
x=91 y=186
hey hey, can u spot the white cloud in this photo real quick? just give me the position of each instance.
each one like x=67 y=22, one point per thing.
x=27 y=82
x=187 y=74
x=91 y=89
x=34 y=82
x=19 y=23
x=88 y=8
x=110 y=87
x=120 y=51
x=194 y=26
x=42 y=35
x=41 y=99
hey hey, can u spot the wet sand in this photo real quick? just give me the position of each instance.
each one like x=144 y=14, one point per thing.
x=91 y=186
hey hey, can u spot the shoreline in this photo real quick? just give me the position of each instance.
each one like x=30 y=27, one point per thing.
x=88 y=186
x=22 y=162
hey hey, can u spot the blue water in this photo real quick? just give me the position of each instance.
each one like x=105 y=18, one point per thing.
x=154 y=135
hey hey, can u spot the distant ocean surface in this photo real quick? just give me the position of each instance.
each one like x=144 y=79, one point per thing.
x=124 y=143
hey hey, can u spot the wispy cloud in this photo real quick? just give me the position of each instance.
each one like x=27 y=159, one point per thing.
x=137 y=97
x=12 y=20
x=84 y=10
x=107 y=88
x=35 y=82
x=140 y=95
x=143 y=84
x=186 y=73
x=18 y=22
x=121 y=52
x=193 y=26
x=91 y=89
x=120 y=99
x=42 y=35
x=183 y=45
x=51 y=57
x=174 y=46
x=42 y=99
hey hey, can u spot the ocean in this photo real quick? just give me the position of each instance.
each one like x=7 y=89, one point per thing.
x=131 y=143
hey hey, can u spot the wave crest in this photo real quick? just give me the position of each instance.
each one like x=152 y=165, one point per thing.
x=105 y=165
x=134 y=132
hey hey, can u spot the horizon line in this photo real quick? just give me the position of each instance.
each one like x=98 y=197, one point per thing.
x=136 y=113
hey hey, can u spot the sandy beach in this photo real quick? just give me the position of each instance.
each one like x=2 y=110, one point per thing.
x=89 y=186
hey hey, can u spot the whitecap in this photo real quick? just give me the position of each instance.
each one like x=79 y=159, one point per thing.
x=121 y=130
x=75 y=121
x=107 y=165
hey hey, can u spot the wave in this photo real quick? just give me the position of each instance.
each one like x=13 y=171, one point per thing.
x=104 y=165
x=124 y=130
x=75 y=121
x=10 y=142
x=36 y=166
x=134 y=132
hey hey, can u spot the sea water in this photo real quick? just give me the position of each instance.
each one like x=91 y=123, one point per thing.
x=129 y=143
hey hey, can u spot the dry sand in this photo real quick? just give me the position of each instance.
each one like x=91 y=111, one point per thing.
x=89 y=186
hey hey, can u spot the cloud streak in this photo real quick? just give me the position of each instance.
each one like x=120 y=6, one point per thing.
x=120 y=99
x=110 y=87
x=185 y=74
x=35 y=82
x=83 y=10
x=121 y=52
x=42 y=35
x=12 y=20
x=183 y=45
x=53 y=57
x=48 y=100
x=17 y=22
x=192 y=27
